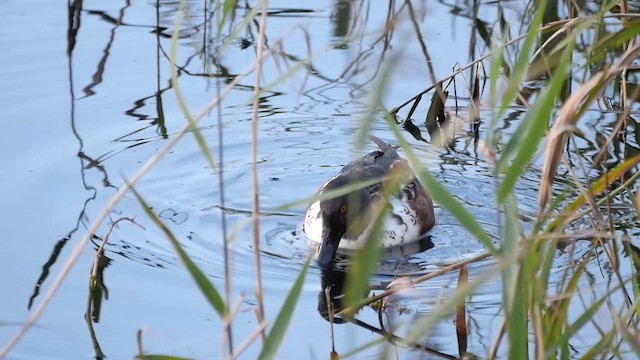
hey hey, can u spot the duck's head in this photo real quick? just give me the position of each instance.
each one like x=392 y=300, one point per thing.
x=342 y=217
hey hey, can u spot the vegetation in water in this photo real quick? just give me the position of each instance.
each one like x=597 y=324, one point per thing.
x=557 y=70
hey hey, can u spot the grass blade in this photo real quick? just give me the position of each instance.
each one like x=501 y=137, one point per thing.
x=202 y=144
x=599 y=186
x=365 y=261
x=514 y=295
x=525 y=140
x=571 y=110
x=521 y=65
x=276 y=335
x=206 y=287
x=440 y=194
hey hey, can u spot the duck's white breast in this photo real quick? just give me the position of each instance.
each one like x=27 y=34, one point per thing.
x=400 y=226
x=313 y=223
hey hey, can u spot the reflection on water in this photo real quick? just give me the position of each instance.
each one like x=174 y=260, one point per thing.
x=120 y=108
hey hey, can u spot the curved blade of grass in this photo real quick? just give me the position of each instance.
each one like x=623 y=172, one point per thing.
x=365 y=260
x=514 y=295
x=440 y=194
x=521 y=65
x=227 y=7
x=377 y=98
x=598 y=187
x=246 y=20
x=527 y=137
x=331 y=194
x=273 y=340
x=363 y=264
x=615 y=40
x=206 y=287
x=573 y=328
x=510 y=248
x=176 y=88
x=451 y=204
x=572 y=109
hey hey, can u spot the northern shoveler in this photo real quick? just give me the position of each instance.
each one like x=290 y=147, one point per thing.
x=345 y=222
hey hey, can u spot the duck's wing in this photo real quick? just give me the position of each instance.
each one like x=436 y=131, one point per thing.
x=411 y=193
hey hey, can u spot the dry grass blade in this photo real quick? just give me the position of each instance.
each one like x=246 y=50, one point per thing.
x=568 y=116
x=255 y=210
x=352 y=309
x=557 y=137
x=569 y=213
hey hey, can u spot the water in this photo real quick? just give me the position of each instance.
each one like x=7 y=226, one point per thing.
x=84 y=109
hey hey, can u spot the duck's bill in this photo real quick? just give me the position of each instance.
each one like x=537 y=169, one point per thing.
x=328 y=248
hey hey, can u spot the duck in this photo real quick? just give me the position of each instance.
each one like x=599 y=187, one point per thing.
x=345 y=223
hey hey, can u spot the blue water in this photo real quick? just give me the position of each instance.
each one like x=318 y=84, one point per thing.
x=78 y=123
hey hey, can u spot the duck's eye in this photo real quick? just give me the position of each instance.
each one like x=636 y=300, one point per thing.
x=343 y=209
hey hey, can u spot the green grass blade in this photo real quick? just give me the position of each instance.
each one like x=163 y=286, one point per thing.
x=176 y=87
x=365 y=261
x=363 y=264
x=279 y=328
x=206 y=287
x=599 y=186
x=244 y=23
x=517 y=325
x=377 y=99
x=587 y=316
x=514 y=295
x=527 y=137
x=440 y=194
x=227 y=7
x=510 y=250
x=451 y=204
x=522 y=62
x=614 y=41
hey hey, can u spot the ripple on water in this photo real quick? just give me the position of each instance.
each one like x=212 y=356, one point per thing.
x=296 y=155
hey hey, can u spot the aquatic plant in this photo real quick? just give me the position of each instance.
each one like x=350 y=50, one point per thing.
x=538 y=70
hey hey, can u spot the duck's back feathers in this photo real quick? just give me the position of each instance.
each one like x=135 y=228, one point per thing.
x=375 y=164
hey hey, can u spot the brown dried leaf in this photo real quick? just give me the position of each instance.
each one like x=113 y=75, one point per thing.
x=567 y=118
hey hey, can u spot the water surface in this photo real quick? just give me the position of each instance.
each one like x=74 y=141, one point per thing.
x=86 y=100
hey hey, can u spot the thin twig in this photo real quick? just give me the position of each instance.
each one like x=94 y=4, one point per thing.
x=223 y=223
x=352 y=309
x=248 y=341
x=254 y=169
x=391 y=337
x=480 y=59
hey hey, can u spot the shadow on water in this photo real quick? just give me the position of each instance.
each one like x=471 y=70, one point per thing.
x=331 y=301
